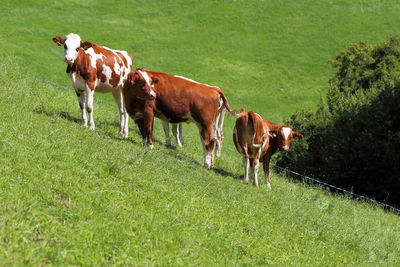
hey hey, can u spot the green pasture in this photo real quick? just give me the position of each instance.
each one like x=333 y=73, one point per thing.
x=70 y=196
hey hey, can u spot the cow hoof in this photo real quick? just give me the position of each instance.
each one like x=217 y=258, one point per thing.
x=123 y=134
x=91 y=127
x=268 y=186
x=151 y=146
x=208 y=167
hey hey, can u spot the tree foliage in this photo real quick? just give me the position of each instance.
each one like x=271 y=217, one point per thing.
x=353 y=138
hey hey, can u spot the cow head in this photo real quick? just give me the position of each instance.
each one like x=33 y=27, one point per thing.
x=141 y=84
x=72 y=43
x=284 y=136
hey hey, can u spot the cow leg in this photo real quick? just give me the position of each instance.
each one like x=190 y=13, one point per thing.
x=251 y=165
x=140 y=124
x=177 y=131
x=180 y=130
x=220 y=135
x=208 y=140
x=82 y=105
x=123 y=115
x=266 y=160
x=165 y=125
x=148 y=129
x=246 y=170
x=89 y=105
x=254 y=164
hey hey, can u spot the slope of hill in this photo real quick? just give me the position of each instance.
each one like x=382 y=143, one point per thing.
x=72 y=196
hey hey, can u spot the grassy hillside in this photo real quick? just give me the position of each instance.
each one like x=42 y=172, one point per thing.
x=69 y=195
x=72 y=196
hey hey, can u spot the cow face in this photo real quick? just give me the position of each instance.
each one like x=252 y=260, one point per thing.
x=141 y=84
x=72 y=43
x=284 y=137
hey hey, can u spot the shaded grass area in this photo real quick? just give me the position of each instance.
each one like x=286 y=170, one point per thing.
x=73 y=196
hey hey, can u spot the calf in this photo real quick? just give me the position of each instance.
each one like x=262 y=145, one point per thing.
x=95 y=68
x=176 y=99
x=257 y=140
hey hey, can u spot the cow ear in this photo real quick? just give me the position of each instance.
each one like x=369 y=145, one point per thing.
x=297 y=135
x=86 y=45
x=131 y=78
x=272 y=134
x=58 y=40
x=155 y=80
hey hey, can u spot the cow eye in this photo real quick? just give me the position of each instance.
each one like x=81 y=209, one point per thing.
x=77 y=49
x=65 y=46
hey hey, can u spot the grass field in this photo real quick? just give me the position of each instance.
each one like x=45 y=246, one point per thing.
x=70 y=196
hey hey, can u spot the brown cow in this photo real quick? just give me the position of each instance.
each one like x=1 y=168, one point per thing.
x=257 y=140
x=96 y=68
x=176 y=99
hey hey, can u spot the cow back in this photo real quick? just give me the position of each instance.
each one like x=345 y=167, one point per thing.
x=249 y=133
x=180 y=100
x=102 y=67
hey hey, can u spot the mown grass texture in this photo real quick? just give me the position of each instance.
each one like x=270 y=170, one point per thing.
x=73 y=196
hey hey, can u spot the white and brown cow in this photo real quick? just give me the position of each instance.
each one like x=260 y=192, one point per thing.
x=176 y=99
x=257 y=140
x=94 y=68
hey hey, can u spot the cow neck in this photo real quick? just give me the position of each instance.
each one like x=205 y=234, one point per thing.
x=273 y=126
x=71 y=68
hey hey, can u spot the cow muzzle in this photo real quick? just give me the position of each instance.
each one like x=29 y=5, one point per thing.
x=152 y=95
x=68 y=60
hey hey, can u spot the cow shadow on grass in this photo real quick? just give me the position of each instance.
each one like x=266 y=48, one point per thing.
x=134 y=131
x=182 y=157
x=61 y=114
x=226 y=173
x=172 y=153
x=65 y=115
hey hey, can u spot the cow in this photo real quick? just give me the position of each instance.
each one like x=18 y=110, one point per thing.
x=94 y=68
x=257 y=140
x=176 y=99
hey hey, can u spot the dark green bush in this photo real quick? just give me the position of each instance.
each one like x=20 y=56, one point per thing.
x=353 y=139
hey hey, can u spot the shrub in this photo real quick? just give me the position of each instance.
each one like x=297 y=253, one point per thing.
x=353 y=139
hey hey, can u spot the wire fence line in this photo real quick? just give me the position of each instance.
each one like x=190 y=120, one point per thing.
x=384 y=205
x=314 y=180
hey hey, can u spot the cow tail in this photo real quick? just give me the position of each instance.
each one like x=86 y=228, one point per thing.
x=252 y=122
x=251 y=119
x=225 y=101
